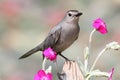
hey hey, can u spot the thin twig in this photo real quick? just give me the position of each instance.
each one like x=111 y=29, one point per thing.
x=97 y=58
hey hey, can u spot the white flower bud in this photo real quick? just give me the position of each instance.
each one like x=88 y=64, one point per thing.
x=113 y=45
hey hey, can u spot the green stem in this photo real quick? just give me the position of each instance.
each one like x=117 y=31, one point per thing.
x=97 y=58
x=43 y=64
x=86 y=57
x=98 y=74
x=90 y=38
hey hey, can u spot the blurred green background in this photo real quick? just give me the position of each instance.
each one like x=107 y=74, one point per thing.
x=25 y=23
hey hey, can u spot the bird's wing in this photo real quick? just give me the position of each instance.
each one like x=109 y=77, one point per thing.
x=50 y=41
x=52 y=38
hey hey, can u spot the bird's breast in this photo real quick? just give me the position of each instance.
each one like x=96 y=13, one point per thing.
x=68 y=35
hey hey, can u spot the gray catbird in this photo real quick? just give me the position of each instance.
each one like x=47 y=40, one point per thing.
x=61 y=36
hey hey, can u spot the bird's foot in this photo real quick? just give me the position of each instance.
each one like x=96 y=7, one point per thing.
x=64 y=57
x=61 y=76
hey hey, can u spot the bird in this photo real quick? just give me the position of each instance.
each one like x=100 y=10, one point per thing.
x=60 y=37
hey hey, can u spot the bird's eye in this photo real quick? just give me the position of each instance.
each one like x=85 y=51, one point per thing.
x=69 y=14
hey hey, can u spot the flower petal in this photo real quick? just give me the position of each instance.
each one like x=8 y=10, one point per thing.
x=49 y=76
x=50 y=54
x=100 y=26
x=41 y=73
x=36 y=77
x=110 y=74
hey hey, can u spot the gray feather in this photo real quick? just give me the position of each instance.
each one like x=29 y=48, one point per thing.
x=61 y=36
x=50 y=41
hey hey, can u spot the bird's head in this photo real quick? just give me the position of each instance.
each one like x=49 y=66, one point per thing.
x=72 y=16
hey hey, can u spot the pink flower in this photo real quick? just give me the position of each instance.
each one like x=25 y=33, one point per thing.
x=50 y=54
x=100 y=26
x=110 y=74
x=41 y=75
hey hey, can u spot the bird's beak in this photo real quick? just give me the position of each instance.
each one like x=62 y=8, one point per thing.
x=79 y=14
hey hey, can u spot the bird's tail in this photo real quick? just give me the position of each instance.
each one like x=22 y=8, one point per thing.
x=32 y=51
